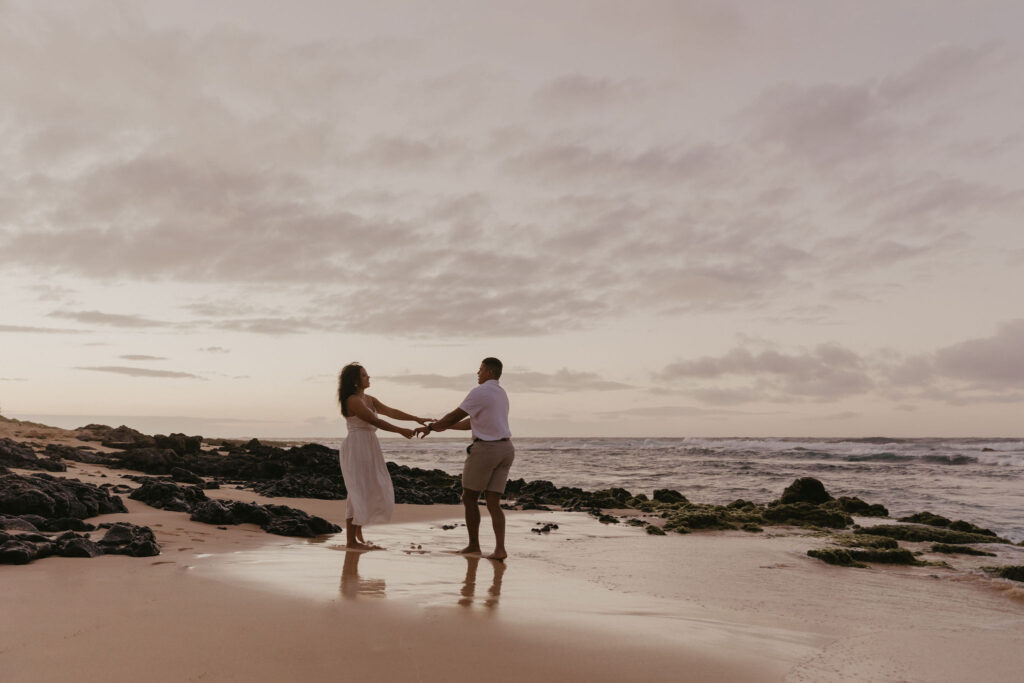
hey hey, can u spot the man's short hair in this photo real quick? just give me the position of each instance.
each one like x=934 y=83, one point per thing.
x=494 y=365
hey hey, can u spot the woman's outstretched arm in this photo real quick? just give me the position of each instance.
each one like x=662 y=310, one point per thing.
x=397 y=414
x=356 y=407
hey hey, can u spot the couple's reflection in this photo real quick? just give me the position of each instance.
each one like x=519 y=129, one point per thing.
x=353 y=585
x=469 y=585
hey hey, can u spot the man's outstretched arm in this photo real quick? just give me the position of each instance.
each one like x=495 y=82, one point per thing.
x=457 y=419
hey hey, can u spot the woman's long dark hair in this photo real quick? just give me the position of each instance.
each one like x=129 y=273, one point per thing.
x=350 y=381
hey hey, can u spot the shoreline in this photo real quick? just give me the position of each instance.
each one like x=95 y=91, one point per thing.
x=583 y=601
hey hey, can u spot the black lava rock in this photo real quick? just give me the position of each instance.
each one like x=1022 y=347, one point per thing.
x=128 y=539
x=51 y=497
x=805 y=490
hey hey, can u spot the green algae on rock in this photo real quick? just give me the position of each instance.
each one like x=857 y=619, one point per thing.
x=805 y=490
x=865 y=541
x=856 y=506
x=837 y=556
x=907 y=532
x=939 y=521
x=1013 y=572
x=807 y=514
x=856 y=558
x=959 y=550
x=654 y=530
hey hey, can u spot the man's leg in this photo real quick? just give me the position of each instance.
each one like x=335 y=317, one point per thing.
x=498 y=522
x=469 y=498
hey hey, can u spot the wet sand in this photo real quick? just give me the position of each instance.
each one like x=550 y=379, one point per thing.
x=586 y=601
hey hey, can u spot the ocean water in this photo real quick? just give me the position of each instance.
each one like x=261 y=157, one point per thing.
x=979 y=480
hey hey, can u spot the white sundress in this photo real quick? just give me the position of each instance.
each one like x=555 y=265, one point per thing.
x=371 y=496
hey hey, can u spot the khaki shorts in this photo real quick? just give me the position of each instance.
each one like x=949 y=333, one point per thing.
x=487 y=465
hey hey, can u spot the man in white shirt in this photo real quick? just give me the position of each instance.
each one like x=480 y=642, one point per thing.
x=485 y=412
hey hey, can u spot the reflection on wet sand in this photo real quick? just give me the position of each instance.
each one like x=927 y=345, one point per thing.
x=353 y=585
x=469 y=584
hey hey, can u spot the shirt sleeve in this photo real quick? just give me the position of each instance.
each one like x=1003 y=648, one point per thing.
x=473 y=402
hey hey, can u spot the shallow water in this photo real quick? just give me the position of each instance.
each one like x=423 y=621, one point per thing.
x=979 y=480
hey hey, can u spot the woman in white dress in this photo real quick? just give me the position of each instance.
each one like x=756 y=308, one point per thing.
x=371 y=497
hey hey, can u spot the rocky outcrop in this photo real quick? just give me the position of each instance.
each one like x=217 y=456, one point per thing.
x=912 y=532
x=805 y=490
x=120 y=539
x=179 y=443
x=276 y=519
x=33 y=506
x=22 y=456
x=51 y=497
x=167 y=495
x=945 y=523
x=856 y=558
x=128 y=539
x=115 y=437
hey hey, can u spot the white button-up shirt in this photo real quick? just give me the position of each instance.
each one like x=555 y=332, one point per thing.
x=487 y=407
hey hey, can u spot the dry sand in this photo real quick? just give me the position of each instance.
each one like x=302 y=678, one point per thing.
x=585 y=602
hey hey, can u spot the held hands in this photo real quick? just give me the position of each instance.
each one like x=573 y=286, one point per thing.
x=421 y=432
x=407 y=433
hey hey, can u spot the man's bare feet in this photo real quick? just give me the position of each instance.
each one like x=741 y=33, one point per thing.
x=498 y=555
x=470 y=550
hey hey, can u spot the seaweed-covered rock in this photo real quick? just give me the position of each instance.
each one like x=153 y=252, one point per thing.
x=51 y=497
x=857 y=557
x=944 y=522
x=928 y=518
x=837 y=556
x=708 y=517
x=668 y=496
x=129 y=539
x=886 y=556
x=864 y=541
x=959 y=550
x=910 y=532
x=856 y=506
x=805 y=490
x=654 y=530
x=961 y=525
x=1011 y=572
x=807 y=514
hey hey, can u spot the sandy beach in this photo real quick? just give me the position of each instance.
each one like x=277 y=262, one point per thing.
x=585 y=601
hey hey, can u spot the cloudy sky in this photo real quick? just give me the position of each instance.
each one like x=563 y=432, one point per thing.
x=667 y=218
